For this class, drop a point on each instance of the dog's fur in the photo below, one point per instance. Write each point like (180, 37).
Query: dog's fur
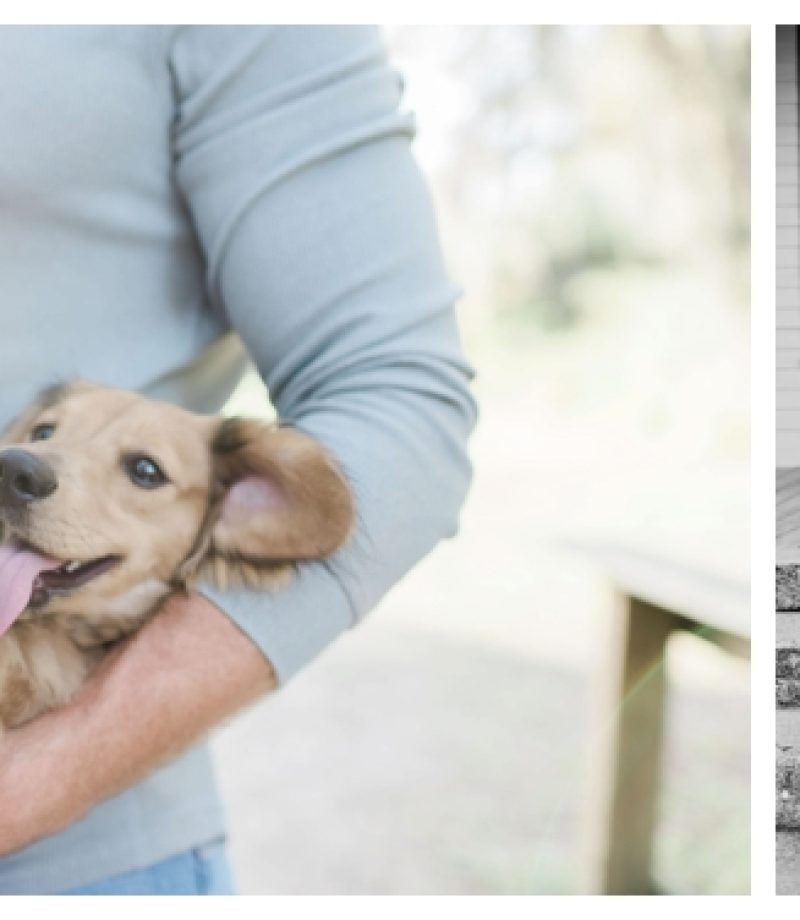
(242, 503)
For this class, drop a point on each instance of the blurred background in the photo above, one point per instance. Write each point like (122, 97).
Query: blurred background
(593, 193)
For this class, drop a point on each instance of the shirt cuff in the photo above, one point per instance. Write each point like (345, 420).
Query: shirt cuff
(293, 624)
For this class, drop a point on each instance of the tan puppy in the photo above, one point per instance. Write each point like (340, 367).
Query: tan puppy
(110, 502)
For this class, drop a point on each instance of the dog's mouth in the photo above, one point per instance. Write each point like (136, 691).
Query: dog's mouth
(70, 575)
(29, 578)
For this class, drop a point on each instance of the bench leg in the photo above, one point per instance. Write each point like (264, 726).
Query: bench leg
(625, 761)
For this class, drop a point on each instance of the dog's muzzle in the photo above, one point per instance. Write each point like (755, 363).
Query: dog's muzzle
(24, 478)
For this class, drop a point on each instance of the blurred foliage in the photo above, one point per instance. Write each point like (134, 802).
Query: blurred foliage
(559, 149)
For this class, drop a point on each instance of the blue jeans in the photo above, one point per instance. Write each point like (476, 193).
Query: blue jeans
(203, 870)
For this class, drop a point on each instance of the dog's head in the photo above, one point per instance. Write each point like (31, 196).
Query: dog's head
(110, 501)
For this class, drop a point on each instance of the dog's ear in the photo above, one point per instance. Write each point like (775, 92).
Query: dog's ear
(278, 496)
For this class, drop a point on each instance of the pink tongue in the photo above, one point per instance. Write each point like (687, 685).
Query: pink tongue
(19, 569)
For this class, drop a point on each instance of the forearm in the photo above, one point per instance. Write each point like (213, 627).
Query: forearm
(170, 684)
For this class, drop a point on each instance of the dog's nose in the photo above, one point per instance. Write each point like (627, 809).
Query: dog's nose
(24, 478)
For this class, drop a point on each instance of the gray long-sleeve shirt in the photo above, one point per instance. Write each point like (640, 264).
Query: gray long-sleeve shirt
(168, 194)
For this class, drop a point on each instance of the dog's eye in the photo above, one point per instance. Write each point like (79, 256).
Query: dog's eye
(43, 432)
(144, 472)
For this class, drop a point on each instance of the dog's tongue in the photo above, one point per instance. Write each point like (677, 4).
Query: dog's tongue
(19, 569)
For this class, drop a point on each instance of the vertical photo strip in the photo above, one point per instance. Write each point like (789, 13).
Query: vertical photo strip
(787, 685)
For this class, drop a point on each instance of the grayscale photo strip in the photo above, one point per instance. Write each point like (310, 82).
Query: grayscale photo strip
(788, 463)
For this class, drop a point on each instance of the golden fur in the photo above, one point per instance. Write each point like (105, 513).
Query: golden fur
(201, 524)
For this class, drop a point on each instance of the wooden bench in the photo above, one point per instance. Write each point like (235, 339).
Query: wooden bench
(653, 598)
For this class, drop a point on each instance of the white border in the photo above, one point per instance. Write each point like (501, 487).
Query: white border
(412, 12)
(763, 461)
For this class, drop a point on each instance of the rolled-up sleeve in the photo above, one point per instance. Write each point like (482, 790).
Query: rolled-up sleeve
(321, 245)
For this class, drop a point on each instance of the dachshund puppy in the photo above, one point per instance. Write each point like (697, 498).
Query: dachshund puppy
(111, 502)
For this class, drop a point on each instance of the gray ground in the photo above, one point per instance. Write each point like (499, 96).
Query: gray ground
(408, 764)
(787, 867)
(787, 876)
(442, 746)
(787, 629)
